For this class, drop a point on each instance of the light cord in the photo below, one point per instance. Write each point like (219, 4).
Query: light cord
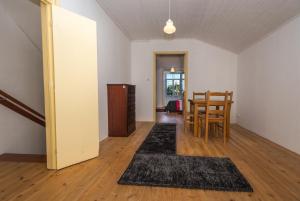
(169, 9)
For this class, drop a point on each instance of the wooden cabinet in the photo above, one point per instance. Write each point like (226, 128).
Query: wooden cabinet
(121, 109)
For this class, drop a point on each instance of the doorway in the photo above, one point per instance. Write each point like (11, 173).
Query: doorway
(170, 85)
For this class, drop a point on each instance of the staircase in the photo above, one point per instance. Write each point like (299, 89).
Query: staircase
(27, 112)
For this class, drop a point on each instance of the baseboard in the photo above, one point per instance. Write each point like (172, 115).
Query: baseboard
(160, 110)
(28, 158)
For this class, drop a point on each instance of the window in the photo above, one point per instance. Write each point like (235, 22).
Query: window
(174, 83)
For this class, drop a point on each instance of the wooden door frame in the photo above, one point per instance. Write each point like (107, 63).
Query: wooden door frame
(185, 69)
(50, 2)
(48, 73)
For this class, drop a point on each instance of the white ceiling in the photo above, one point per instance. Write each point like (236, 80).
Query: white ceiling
(230, 24)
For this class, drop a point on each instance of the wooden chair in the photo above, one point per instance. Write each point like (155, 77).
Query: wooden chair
(212, 114)
(199, 95)
(189, 116)
(230, 97)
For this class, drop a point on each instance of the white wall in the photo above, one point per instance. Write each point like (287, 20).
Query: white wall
(113, 52)
(210, 68)
(21, 76)
(164, 63)
(268, 87)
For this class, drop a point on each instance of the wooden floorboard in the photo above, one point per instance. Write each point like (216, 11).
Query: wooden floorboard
(273, 171)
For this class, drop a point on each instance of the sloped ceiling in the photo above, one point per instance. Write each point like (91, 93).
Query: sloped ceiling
(27, 18)
(231, 24)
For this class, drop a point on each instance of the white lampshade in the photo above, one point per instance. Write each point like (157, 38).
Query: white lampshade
(169, 27)
(172, 70)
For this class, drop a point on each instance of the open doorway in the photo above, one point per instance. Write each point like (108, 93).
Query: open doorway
(170, 85)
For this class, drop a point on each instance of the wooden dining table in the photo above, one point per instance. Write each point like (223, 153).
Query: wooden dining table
(198, 103)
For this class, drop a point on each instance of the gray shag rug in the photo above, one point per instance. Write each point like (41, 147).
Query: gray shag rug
(149, 167)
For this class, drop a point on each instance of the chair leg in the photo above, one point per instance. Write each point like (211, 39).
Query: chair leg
(197, 131)
(215, 129)
(200, 127)
(228, 128)
(225, 131)
(206, 131)
(219, 130)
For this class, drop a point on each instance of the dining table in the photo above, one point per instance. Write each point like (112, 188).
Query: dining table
(198, 103)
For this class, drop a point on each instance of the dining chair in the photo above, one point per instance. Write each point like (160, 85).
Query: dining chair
(189, 116)
(216, 112)
(230, 98)
(230, 95)
(198, 95)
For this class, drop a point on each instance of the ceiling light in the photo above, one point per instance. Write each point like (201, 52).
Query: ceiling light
(169, 27)
(172, 70)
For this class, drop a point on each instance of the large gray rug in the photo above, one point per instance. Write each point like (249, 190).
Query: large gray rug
(150, 168)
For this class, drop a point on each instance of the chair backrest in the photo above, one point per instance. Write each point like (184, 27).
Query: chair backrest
(230, 96)
(214, 100)
(199, 95)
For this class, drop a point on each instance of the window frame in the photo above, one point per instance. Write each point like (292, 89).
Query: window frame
(181, 82)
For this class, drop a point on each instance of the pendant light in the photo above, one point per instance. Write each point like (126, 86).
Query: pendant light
(169, 27)
(172, 70)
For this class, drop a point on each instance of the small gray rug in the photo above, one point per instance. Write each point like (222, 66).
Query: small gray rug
(156, 164)
(160, 140)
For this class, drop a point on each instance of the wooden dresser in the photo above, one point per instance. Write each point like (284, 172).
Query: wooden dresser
(121, 109)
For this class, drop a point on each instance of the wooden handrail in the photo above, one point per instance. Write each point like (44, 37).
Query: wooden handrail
(19, 107)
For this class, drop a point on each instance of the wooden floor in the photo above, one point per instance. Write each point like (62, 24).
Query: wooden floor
(273, 172)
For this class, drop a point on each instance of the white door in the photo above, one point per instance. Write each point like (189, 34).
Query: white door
(75, 88)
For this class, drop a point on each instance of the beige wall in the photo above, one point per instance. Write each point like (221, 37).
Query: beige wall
(21, 75)
(210, 68)
(268, 81)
